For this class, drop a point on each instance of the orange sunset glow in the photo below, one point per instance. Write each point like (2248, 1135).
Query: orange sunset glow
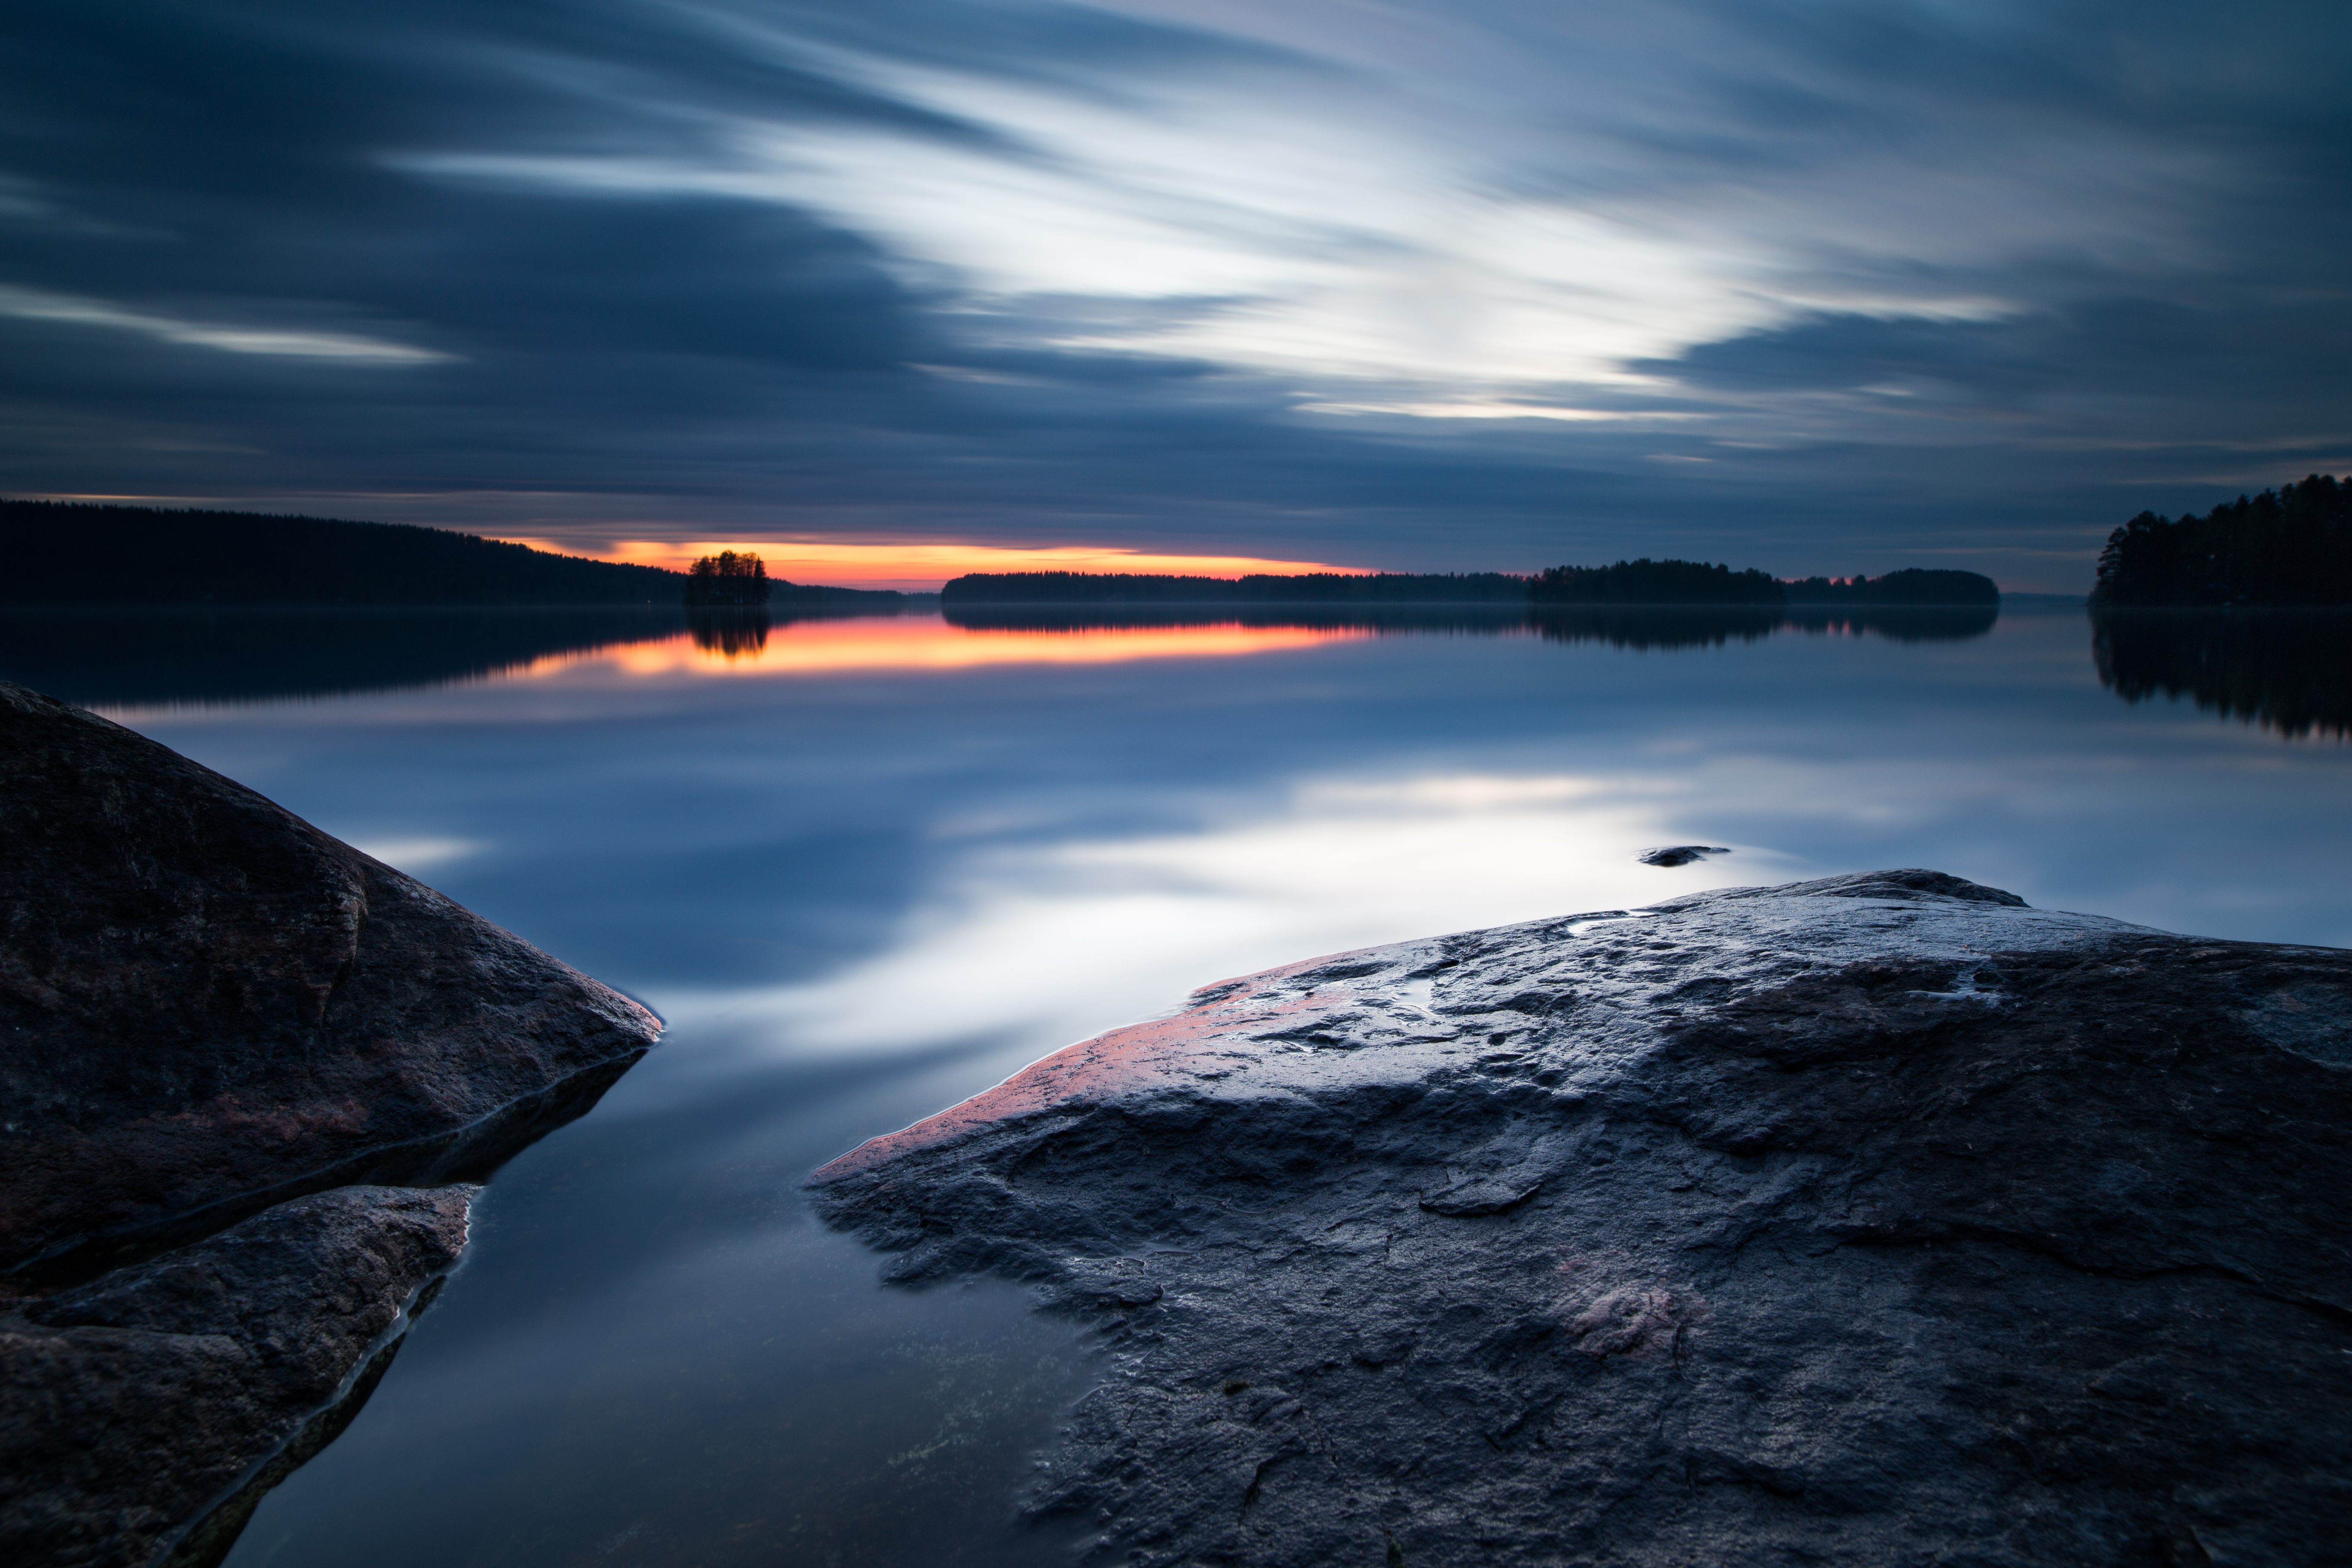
(921, 568)
(894, 643)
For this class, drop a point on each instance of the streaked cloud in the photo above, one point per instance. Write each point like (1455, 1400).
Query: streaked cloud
(1383, 282)
(35, 305)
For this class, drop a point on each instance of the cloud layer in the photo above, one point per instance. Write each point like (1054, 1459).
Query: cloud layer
(1819, 287)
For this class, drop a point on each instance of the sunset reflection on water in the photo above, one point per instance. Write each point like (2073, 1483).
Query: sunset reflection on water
(916, 643)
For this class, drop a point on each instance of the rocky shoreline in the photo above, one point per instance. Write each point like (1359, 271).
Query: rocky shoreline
(1879, 1219)
(250, 1075)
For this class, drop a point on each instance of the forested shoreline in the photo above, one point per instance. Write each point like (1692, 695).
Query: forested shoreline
(1644, 582)
(64, 555)
(2289, 548)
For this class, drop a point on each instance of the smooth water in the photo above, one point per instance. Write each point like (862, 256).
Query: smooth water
(865, 867)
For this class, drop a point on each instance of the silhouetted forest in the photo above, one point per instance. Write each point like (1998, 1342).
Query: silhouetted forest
(1643, 582)
(2288, 547)
(2287, 670)
(62, 554)
(1648, 582)
(1912, 586)
(728, 578)
(1315, 588)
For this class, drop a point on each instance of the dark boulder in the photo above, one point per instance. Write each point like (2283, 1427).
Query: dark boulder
(216, 1024)
(149, 1411)
(1879, 1219)
(207, 1006)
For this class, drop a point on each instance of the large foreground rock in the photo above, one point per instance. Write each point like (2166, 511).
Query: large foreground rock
(1873, 1220)
(218, 1026)
(207, 1006)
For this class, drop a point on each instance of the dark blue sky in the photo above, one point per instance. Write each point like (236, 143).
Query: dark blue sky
(1815, 287)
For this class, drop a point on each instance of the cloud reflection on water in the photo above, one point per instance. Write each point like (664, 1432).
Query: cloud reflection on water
(1058, 940)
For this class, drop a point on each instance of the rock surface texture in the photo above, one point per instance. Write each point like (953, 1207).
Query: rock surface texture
(174, 1393)
(217, 1025)
(206, 1004)
(1873, 1220)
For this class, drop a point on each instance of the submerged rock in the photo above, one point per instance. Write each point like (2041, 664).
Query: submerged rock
(217, 1025)
(1677, 855)
(1874, 1219)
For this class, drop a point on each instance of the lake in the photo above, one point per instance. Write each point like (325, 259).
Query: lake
(865, 868)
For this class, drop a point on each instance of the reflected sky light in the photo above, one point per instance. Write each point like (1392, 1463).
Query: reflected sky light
(870, 886)
(1051, 940)
(920, 643)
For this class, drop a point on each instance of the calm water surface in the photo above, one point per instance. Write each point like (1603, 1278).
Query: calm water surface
(865, 867)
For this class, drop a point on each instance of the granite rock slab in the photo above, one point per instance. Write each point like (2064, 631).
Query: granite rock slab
(208, 1005)
(1877, 1219)
(247, 1077)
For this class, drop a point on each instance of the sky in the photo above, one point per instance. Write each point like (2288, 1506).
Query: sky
(897, 288)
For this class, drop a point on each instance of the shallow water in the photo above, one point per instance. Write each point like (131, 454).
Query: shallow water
(865, 867)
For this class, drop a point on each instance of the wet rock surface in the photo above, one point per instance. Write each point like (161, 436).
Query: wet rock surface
(148, 1410)
(207, 1006)
(218, 1026)
(1879, 1219)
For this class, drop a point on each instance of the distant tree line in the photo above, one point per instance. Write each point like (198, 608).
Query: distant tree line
(1648, 582)
(2289, 547)
(68, 553)
(1314, 588)
(1643, 582)
(65, 553)
(729, 580)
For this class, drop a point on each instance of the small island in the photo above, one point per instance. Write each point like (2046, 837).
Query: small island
(729, 581)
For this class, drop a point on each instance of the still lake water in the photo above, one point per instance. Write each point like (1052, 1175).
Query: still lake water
(865, 867)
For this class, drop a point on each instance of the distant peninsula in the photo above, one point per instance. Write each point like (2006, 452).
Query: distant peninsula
(2290, 547)
(1627, 583)
(68, 554)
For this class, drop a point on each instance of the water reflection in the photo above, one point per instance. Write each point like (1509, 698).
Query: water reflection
(1955, 623)
(1633, 626)
(731, 633)
(2287, 670)
(144, 658)
(162, 657)
(869, 867)
(1644, 628)
(878, 645)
